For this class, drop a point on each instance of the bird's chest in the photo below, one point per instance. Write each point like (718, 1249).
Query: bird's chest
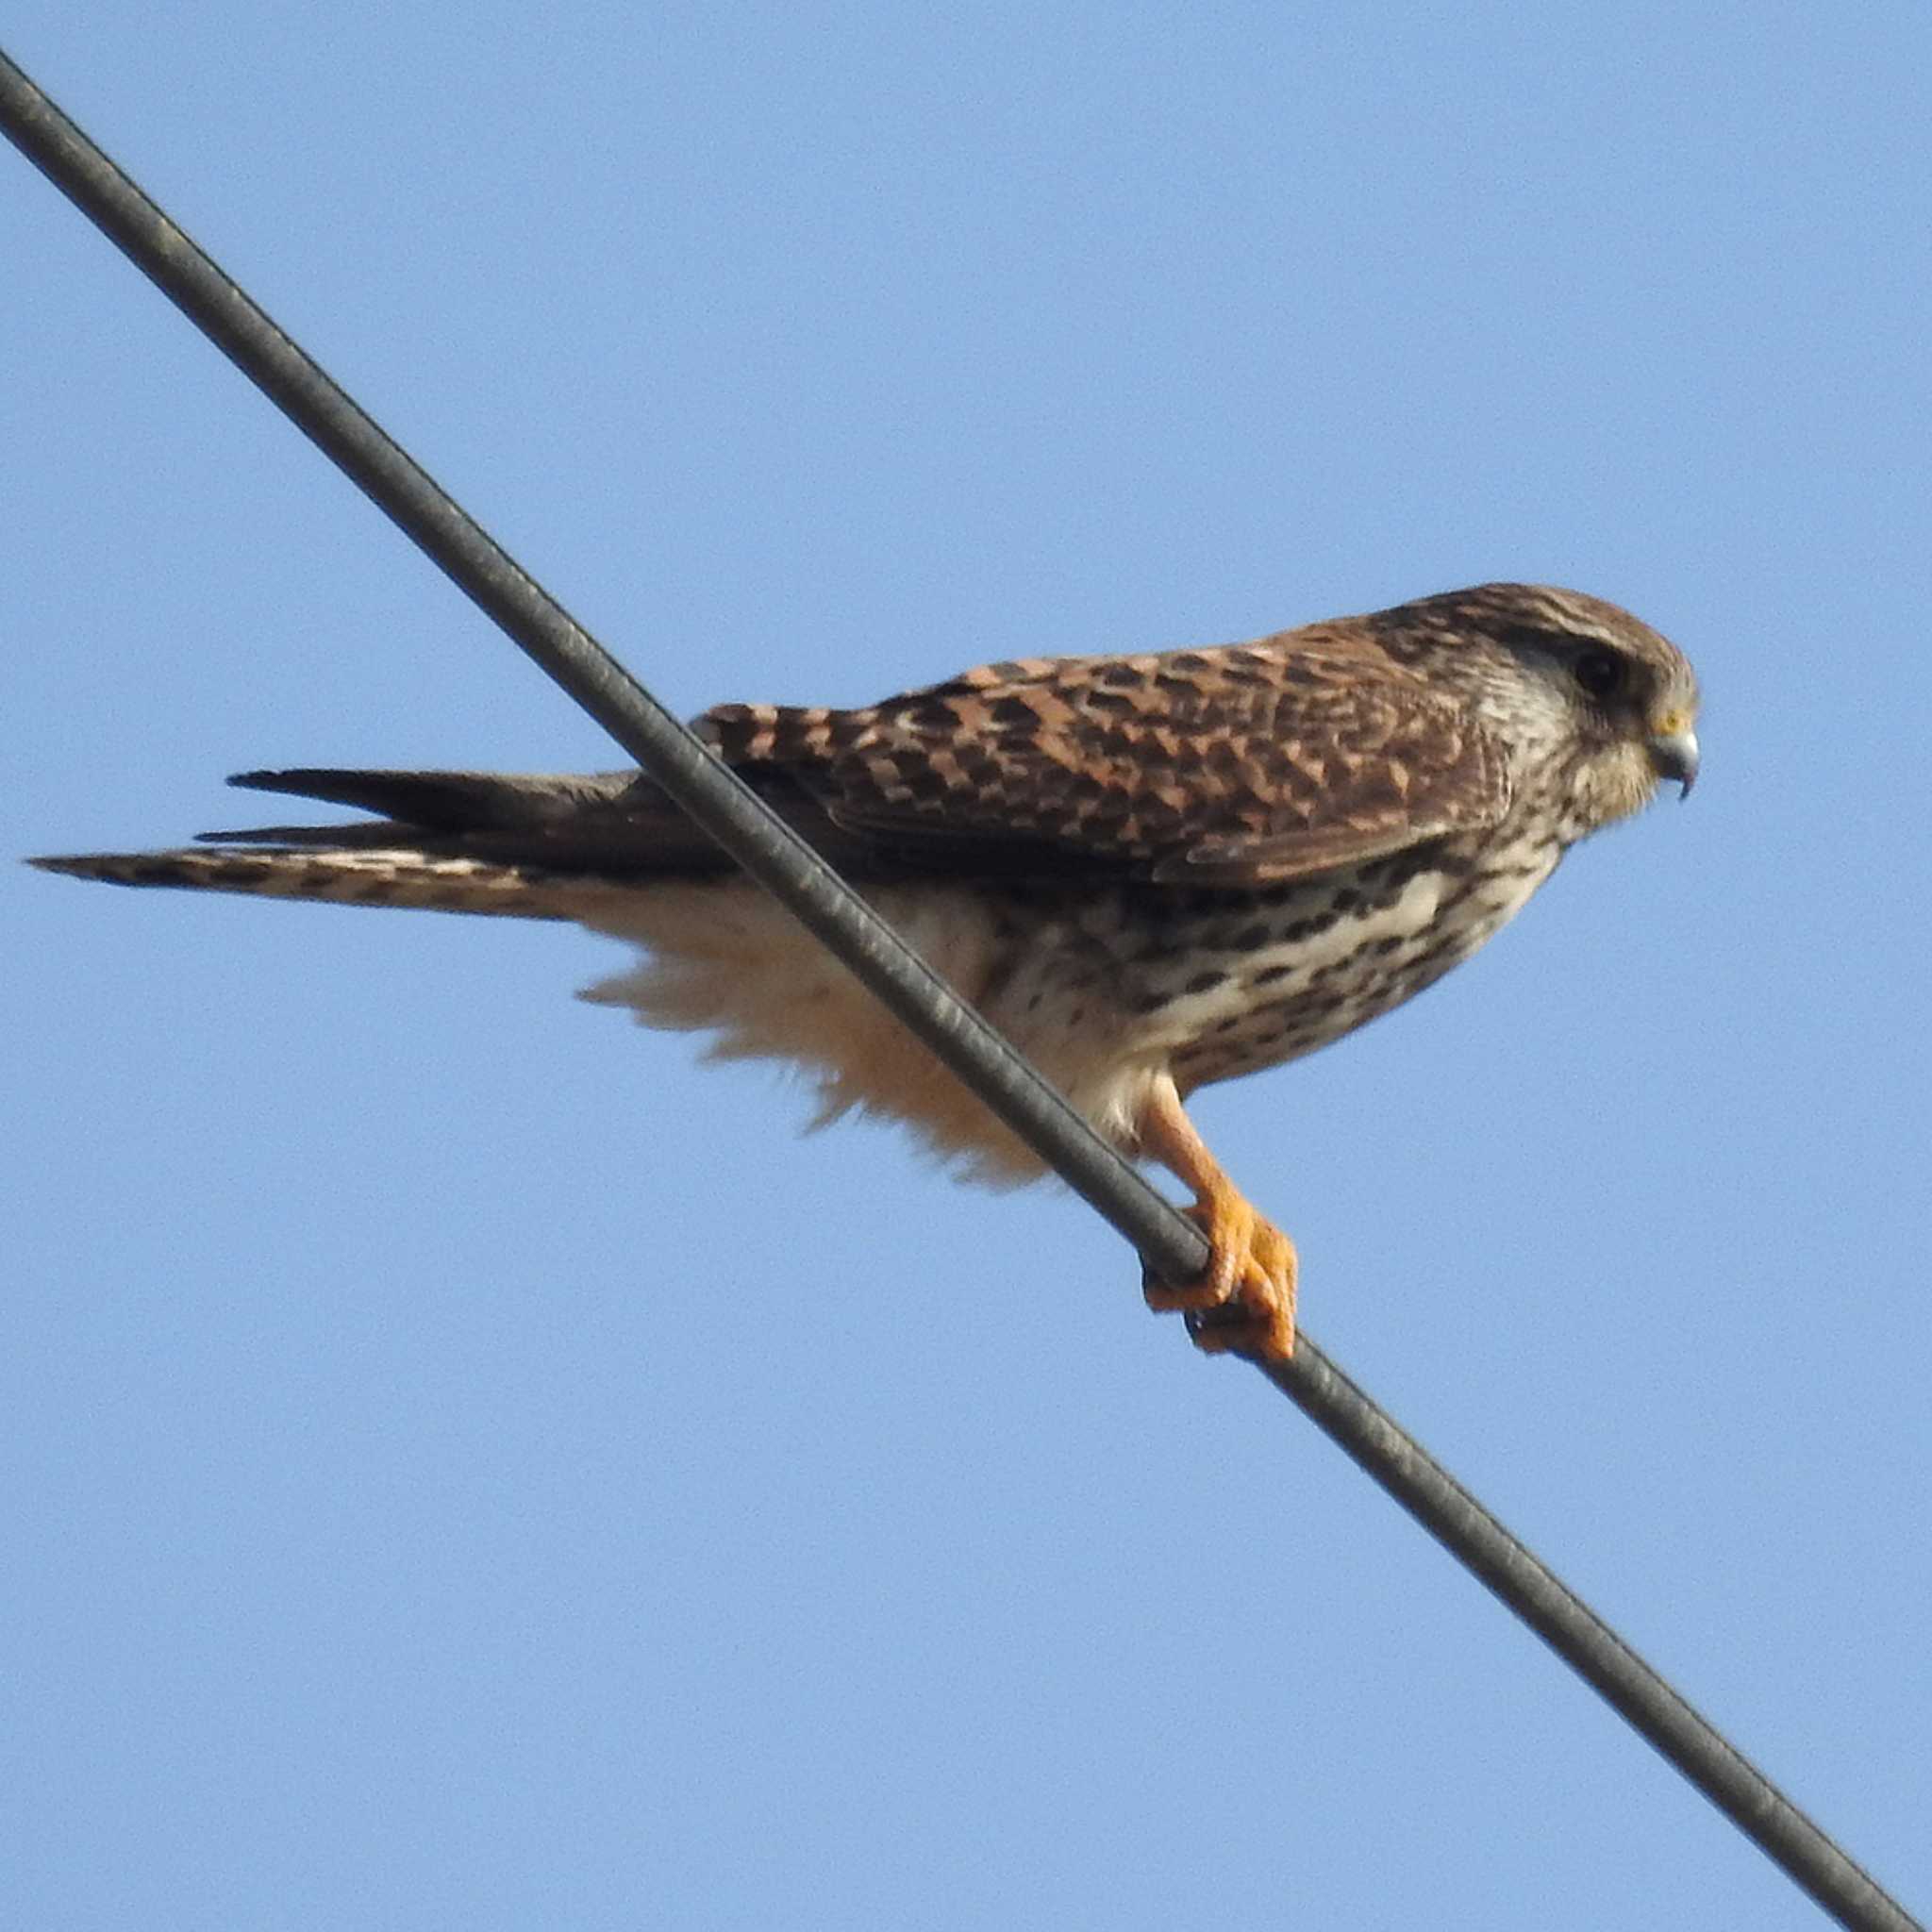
(1219, 984)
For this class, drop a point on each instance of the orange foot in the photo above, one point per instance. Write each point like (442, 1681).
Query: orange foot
(1243, 1301)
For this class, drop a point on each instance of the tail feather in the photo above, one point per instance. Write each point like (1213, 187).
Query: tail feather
(530, 846)
(380, 877)
(460, 841)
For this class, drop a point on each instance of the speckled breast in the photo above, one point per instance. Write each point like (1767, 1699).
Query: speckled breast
(1222, 983)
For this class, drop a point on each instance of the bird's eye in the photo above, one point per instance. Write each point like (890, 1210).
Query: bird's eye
(1600, 673)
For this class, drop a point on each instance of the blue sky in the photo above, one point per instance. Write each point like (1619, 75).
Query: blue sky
(467, 1466)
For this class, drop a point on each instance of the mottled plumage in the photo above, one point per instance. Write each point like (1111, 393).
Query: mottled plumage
(1149, 871)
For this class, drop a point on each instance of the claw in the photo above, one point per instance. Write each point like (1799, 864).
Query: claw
(1242, 1301)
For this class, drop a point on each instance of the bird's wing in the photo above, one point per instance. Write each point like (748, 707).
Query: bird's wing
(1231, 767)
(614, 821)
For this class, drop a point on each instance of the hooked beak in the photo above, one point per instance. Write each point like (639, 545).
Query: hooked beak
(1673, 755)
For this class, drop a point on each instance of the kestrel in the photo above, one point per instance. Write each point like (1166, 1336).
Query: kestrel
(1149, 871)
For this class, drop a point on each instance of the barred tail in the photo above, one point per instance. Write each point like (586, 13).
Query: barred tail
(523, 847)
(374, 878)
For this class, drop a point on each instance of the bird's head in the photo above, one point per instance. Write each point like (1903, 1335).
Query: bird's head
(1595, 706)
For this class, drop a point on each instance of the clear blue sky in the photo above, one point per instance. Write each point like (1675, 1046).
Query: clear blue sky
(466, 1466)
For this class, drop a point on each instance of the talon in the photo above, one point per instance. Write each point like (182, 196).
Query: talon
(1242, 1301)
(1215, 1284)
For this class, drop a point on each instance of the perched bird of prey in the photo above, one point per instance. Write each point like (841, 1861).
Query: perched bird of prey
(1149, 871)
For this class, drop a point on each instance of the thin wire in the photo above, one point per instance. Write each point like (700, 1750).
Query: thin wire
(1172, 1246)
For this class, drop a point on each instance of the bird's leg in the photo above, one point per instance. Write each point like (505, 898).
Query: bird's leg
(1243, 1300)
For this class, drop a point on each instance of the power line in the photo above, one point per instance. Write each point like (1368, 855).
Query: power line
(1172, 1246)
